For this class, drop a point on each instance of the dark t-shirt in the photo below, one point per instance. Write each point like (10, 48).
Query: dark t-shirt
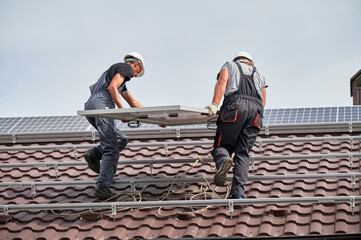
(122, 68)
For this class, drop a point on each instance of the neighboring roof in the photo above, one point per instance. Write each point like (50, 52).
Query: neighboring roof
(357, 78)
(284, 153)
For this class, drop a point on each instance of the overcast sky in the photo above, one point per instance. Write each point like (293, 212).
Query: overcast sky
(51, 51)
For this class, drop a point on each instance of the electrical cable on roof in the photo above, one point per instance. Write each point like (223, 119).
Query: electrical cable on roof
(206, 190)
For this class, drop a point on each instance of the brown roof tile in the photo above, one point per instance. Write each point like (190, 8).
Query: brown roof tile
(253, 220)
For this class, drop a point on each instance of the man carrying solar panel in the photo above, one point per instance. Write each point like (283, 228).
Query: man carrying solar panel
(239, 120)
(105, 94)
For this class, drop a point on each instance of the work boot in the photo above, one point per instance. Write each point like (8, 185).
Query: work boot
(221, 175)
(93, 156)
(236, 197)
(103, 193)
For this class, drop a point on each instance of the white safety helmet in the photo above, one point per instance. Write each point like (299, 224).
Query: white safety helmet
(138, 57)
(244, 55)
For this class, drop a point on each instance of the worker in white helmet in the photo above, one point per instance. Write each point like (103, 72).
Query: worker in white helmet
(105, 94)
(239, 120)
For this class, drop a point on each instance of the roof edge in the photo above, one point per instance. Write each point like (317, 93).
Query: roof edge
(355, 236)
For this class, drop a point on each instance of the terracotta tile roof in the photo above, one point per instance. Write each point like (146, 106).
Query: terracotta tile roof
(256, 220)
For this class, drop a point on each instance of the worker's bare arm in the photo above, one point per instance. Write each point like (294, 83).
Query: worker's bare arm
(116, 82)
(220, 87)
(130, 99)
(264, 96)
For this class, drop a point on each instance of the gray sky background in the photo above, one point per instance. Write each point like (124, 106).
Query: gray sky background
(51, 51)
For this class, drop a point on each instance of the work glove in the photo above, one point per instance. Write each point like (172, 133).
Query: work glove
(212, 109)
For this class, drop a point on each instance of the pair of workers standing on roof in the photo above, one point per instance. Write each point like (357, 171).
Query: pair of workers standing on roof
(238, 123)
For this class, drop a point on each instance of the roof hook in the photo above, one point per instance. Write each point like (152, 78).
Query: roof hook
(114, 211)
(230, 208)
(178, 133)
(13, 138)
(93, 136)
(350, 127)
(266, 129)
(351, 143)
(75, 150)
(350, 160)
(352, 204)
(151, 168)
(132, 185)
(260, 146)
(166, 149)
(353, 181)
(6, 210)
(33, 190)
(56, 169)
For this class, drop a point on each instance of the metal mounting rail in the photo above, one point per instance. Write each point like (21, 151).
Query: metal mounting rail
(153, 133)
(155, 180)
(87, 146)
(352, 200)
(178, 132)
(350, 156)
(181, 143)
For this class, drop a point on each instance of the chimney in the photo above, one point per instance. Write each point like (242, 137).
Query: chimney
(355, 85)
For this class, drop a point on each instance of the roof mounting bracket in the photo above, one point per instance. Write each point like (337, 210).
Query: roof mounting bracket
(13, 138)
(350, 127)
(166, 149)
(132, 185)
(114, 211)
(351, 143)
(33, 190)
(352, 204)
(56, 169)
(178, 133)
(260, 146)
(350, 160)
(6, 210)
(252, 163)
(266, 129)
(230, 208)
(75, 150)
(93, 136)
(151, 168)
(353, 181)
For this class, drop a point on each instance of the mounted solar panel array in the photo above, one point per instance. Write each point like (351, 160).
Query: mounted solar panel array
(43, 124)
(271, 117)
(312, 115)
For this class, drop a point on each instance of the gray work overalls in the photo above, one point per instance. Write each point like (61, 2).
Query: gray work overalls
(112, 140)
(238, 125)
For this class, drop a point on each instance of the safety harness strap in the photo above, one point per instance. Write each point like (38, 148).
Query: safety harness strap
(255, 99)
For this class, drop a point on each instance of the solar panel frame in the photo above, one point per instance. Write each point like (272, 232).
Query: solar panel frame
(173, 115)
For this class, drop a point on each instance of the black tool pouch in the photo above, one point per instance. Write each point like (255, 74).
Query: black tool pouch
(229, 113)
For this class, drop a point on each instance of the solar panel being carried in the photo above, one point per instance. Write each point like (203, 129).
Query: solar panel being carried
(163, 115)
